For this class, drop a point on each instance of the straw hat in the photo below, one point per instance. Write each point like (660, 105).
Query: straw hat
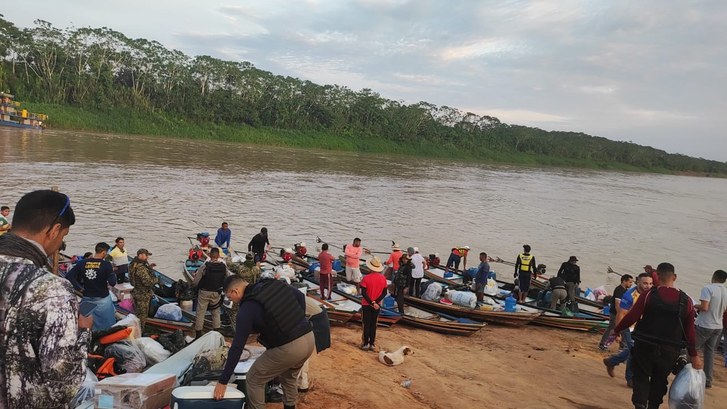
(395, 246)
(374, 264)
(301, 244)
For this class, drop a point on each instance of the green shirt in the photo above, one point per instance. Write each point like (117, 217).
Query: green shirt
(4, 223)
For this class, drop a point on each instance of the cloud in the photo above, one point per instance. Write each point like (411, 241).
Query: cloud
(488, 46)
(521, 116)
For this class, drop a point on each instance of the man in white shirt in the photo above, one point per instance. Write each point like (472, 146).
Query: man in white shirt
(713, 303)
(120, 259)
(417, 273)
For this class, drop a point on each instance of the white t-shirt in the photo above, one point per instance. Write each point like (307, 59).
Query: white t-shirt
(716, 294)
(418, 270)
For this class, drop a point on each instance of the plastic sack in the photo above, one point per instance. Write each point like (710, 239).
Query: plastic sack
(284, 271)
(433, 291)
(491, 287)
(131, 321)
(349, 289)
(87, 389)
(463, 298)
(687, 390)
(153, 351)
(128, 354)
(170, 312)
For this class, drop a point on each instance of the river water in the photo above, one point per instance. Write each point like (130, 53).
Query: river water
(156, 192)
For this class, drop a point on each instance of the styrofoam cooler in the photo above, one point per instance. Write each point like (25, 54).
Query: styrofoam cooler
(200, 397)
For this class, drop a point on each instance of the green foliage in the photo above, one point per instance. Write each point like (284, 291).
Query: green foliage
(99, 79)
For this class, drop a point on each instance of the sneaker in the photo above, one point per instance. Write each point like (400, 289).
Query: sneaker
(602, 347)
(372, 347)
(609, 367)
(364, 347)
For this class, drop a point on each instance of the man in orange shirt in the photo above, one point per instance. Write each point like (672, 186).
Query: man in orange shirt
(393, 262)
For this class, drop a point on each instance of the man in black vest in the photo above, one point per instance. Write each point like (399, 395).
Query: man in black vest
(209, 280)
(277, 311)
(664, 319)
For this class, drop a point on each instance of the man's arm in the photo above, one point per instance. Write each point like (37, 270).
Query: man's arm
(243, 327)
(633, 314)
(72, 276)
(517, 265)
(198, 274)
(111, 275)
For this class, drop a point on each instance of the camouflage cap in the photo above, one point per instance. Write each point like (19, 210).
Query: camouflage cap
(143, 251)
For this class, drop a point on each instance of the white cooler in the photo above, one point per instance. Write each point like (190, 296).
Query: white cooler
(200, 397)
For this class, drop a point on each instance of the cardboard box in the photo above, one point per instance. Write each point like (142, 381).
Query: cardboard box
(122, 291)
(134, 391)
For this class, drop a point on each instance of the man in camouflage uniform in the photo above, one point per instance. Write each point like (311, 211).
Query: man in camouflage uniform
(43, 340)
(142, 277)
(250, 272)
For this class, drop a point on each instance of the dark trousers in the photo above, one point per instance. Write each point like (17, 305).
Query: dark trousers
(369, 318)
(415, 287)
(121, 272)
(651, 364)
(400, 298)
(453, 261)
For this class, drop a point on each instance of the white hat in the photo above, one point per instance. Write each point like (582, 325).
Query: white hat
(416, 249)
(301, 244)
(466, 247)
(395, 246)
(374, 264)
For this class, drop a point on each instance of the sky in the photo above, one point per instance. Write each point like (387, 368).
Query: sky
(651, 72)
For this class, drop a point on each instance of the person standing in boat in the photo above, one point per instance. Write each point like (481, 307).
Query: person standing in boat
(524, 267)
(483, 271)
(277, 311)
(373, 290)
(570, 272)
(626, 282)
(712, 306)
(400, 279)
(352, 254)
(223, 236)
(325, 260)
(209, 280)
(392, 264)
(120, 259)
(4, 223)
(143, 278)
(417, 272)
(664, 319)
(93, 276)
(44, 342)
(458, 254)
(258, 245)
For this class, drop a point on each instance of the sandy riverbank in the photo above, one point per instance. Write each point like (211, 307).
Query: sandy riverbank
(531, 367)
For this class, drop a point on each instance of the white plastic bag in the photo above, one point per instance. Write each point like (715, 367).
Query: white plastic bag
(349, 289)
(434, 290)
(491, 287)
(131, 321)
(153, 351)
(170, 312)
(87, 389)
(687, 390)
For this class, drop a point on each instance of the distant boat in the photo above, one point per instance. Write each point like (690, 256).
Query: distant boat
(11, 114)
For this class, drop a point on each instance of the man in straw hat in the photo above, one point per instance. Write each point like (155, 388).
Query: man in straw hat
(392, 263)
(373, 290)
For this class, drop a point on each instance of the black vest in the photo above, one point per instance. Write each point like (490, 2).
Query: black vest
(284, 318)
(662, 322)
(214, 276)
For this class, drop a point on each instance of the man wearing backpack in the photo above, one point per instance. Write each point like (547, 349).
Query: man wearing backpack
(664, 319)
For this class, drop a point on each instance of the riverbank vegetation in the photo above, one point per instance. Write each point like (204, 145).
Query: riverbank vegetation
(98, 79)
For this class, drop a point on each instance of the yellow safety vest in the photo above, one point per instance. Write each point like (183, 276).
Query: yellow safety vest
(525, 261)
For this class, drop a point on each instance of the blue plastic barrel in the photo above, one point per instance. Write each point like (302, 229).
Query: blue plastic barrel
(312, 267)
(337, 265)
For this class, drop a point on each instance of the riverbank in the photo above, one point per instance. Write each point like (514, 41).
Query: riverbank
(525, 368)
(122, 121)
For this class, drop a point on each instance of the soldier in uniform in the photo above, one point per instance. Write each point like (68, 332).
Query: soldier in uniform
(142, 277)
(250, 272)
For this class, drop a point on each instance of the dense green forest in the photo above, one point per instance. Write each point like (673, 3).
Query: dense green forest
(103, 75)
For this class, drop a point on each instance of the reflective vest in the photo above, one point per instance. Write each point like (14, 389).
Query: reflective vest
(460, 251)
(525, 261)
(284, 318)
(214, 276)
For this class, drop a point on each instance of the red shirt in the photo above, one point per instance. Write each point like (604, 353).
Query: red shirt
(394, 259)
(326, 260)
(669, 295)
(375, 284)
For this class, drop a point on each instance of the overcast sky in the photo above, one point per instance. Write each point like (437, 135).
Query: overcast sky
(652, 72)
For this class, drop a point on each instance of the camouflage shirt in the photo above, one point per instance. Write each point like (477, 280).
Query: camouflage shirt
(249, 272)
(142, 276)
(44, 352)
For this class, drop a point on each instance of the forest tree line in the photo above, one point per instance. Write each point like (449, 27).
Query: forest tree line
(100, 68)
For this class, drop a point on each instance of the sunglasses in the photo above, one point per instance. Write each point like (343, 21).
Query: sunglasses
(61, 213)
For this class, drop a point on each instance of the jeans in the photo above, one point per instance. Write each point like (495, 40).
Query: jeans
(707, 342)
(651, 364)
(104, 315)
(415, 287)
(624, 354)
(453, 261)
(609, 329)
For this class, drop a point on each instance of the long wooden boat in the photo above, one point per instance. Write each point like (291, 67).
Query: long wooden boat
(513, 319)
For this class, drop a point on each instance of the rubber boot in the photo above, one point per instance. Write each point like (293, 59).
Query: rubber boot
(288, 407)
(197, 334)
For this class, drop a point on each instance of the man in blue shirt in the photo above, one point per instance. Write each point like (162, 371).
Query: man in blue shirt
(481, 278)
(222, 238)
(93, 276)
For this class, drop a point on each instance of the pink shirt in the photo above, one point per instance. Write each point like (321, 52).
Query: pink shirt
(353, 256)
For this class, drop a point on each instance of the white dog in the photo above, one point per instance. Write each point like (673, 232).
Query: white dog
(396, 357)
